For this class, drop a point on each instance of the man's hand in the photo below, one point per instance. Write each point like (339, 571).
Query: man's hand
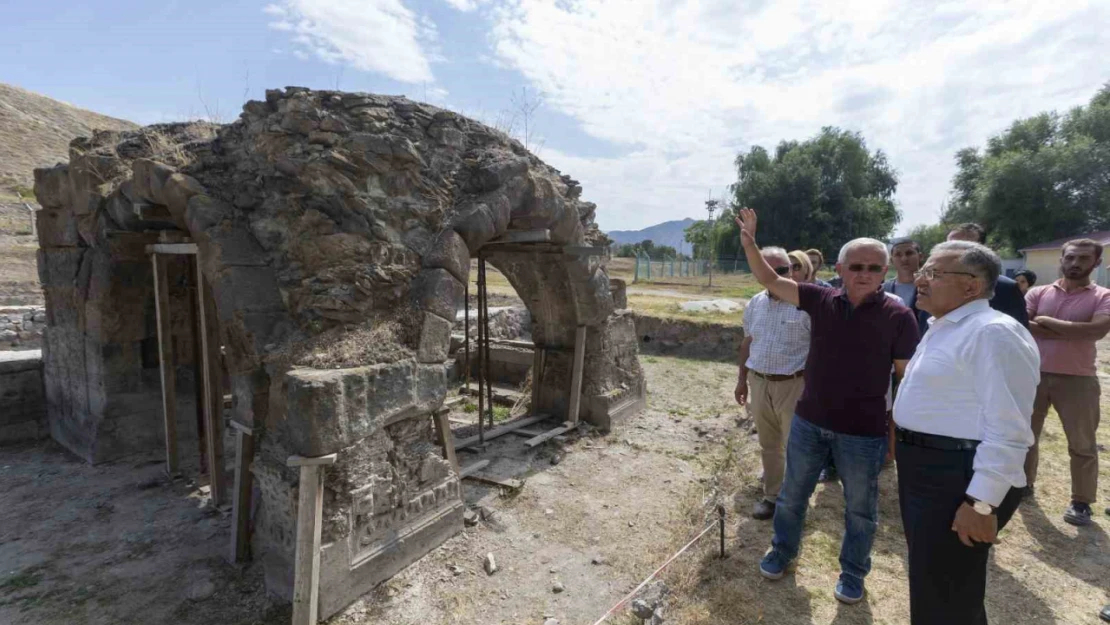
(747, 222)
(972, 526)
(741, 391)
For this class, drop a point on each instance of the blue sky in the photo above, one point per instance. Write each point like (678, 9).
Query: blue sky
(646, 102)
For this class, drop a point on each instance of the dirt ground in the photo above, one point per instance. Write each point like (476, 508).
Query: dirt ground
(117, 543)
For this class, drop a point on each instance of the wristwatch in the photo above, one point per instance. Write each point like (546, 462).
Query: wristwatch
(981, 507)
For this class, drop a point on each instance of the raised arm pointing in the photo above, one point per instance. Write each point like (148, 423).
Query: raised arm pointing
(782, 288)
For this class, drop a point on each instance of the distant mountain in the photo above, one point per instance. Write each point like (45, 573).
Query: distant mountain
(670, 233)
(35, 131)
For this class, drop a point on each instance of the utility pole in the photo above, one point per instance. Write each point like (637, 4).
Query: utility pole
(711, 205)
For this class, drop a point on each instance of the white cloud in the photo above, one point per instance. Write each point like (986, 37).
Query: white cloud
(465, 5)
(687, 83)
(380, 36)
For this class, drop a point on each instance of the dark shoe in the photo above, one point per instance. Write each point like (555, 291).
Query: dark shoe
(827, 475)
(1104, 614)
(849, 589)
(1078, 513)
(773, 565)
(763, 510)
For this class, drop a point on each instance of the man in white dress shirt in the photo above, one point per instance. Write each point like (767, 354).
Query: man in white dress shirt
(963, 428)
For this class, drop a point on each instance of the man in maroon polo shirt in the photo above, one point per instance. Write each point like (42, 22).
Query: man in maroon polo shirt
(858, 334)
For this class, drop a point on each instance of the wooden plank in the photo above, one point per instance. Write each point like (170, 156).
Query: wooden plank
(576, 375)
(172, 248)
(522, 236)
(514, 343)
(550, 434)
(502, 430)
(165, 360)
(470, 469)
(306, 568)
(241, 495)
(245, 429)
(539, 357)
(213, 396)
(198, 369)
(311, 461)
(446, 440)
(498, 481)
(532, 432)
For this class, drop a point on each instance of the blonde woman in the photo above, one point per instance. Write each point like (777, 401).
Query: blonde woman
(801, 270)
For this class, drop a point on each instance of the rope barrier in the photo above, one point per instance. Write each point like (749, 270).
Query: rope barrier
(719, 522)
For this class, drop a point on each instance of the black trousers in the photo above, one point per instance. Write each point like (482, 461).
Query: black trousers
(948, 579)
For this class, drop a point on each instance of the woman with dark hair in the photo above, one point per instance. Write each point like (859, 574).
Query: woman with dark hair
(1025, 279)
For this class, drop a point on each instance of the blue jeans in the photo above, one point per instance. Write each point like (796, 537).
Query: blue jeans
(858, 460)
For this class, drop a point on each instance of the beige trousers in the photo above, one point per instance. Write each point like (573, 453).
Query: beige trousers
(772, 406)
(1076, 399)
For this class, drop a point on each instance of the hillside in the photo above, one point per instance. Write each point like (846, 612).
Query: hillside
(35, 131)
(667, 233)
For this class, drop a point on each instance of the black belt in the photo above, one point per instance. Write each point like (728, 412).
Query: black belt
(775, 377)
(934, 441)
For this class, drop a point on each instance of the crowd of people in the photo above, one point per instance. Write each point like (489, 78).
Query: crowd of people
(948, 368)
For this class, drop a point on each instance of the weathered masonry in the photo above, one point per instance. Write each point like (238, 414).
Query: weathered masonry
(308, 261)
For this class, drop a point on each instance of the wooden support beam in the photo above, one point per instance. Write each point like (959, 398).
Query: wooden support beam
(165, 360)
(539, 357)
(471, 469)
(241, 500)
(576, 375)
(310, 512)
(213, 395)
(172, 248)
(446, 440)
(502, 430)
(548, 435)
(522, 236)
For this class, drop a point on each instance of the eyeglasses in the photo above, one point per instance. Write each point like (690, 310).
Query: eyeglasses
(858, 267)
(930, 273)
(782, 271)
(795, 267)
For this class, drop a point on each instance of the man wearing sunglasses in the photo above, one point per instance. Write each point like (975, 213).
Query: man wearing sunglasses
(772, 360)
(963, 429)
(1007, 296)
(858, 334)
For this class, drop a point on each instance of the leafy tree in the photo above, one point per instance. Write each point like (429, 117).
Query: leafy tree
(818, 193)
(1044, 177)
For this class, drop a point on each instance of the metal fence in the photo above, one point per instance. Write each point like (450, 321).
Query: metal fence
(648, 269)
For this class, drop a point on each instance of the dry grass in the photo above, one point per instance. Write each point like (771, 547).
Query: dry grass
(1045, 571)
(19, 278)
(35, 131)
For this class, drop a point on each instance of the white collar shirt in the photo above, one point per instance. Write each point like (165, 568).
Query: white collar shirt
(974, 376)
(780, 336)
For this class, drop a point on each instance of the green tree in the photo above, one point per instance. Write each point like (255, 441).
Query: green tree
(818, 193)
(1044, 177)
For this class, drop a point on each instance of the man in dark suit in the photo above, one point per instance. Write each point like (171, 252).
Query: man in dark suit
(1007, 296)
(905, 255)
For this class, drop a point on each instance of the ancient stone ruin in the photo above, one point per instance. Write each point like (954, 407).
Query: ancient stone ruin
(334, 233)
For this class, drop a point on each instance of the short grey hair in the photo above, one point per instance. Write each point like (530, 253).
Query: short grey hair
(977, 259)
(774, 250)
(864, 243)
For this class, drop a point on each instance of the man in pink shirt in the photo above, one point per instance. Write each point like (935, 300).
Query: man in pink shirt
(1067, 317)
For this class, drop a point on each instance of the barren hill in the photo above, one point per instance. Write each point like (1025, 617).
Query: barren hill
(35, 131)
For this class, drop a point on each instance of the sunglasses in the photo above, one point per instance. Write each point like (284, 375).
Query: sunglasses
(782, 271)
(858, 267)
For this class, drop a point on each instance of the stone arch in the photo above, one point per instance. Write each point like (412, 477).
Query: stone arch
(336, 230)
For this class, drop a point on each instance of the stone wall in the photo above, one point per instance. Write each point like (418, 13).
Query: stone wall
(21, 327)
(336, 231)
(688, 339)
(23, 413)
